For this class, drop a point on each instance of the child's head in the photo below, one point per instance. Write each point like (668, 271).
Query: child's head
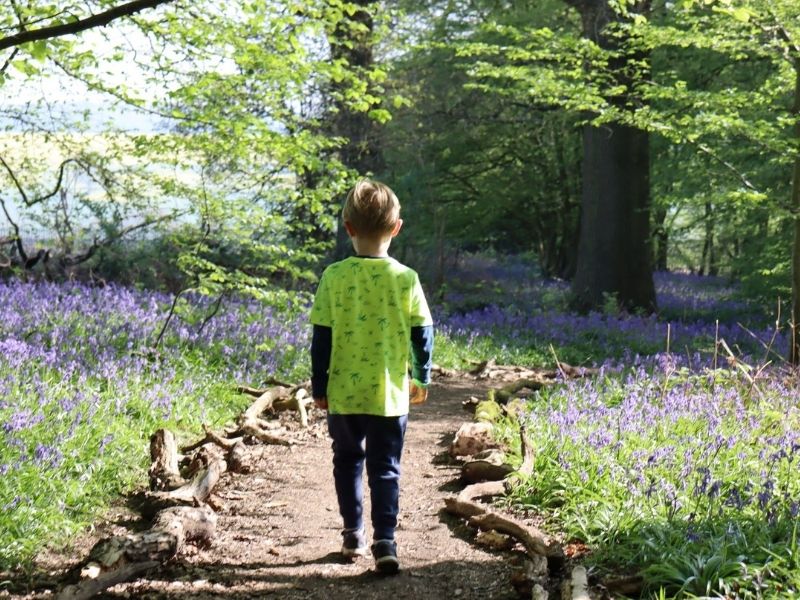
(372, 209)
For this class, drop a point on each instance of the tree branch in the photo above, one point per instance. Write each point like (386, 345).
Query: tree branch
(39, 199)
(72, 260)
(13, 55)
(16, 238)
(742, 177)
(98, 20)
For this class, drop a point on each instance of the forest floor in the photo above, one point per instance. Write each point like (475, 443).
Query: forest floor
(278, 533)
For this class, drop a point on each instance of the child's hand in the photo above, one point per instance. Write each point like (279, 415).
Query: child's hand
(321, 402)
(417, 395)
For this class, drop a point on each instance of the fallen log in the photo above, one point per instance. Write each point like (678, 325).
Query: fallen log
(211, 437)
(495, 540)
(263, 403)
(528, 572)
(464, 504)
(271, 381)
(488, 465)
(577, 586)
(193, 493)
(298, 402)
(535, 541)
(122, 558)
(249, 422)
(503, 394)
(238, 458)
(472, 438)
(163, 471)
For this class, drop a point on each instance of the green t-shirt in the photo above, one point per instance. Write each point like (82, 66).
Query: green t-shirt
(370, 304)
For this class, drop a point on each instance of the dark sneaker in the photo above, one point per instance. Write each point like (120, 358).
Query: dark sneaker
(354, 543)
(385, 553)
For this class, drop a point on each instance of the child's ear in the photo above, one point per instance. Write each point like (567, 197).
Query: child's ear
(350, 230)
(397, 227)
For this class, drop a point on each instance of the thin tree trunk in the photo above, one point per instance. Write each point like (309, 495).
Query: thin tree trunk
(794, 346)
(661, 237)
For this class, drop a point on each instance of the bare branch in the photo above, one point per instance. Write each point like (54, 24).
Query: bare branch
(28, 202)
(73, 260)
(16, 238)
(13, 55)
(742, 177)
(98, 20)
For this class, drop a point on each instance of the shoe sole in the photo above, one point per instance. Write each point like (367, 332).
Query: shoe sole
(387, 565)
(351, 553)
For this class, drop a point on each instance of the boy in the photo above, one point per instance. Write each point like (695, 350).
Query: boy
(369, 316)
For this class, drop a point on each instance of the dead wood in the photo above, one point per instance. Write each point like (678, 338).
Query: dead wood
(532, 378)
(163, 471)
(271, 381)
(577, 586)
(472, 438)
(211, 437)
(298, 402)
(482, 367)
(527, 573)
(238, 458)
(505, 393)
(192, 494)
(488, 465)
(470, 404)
(495, 540)
(250, 423)
(121, 558)
(535, 541)
(89, 588)
(264, 436)
(528, 454)
(263, 403)
(464, 504)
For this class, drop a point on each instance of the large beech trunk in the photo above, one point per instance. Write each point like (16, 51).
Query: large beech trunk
(614, 255)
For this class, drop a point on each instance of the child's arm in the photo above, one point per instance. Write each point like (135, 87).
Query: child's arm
(321, 341)
(421, 362)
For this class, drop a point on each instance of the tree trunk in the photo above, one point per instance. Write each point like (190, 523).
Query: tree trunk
(614, 254)
(661, 236)
(709, 263)
(794, 345)
(352, 41)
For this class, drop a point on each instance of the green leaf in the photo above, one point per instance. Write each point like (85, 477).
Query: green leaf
(39, 50)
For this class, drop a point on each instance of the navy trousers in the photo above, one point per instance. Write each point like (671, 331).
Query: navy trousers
(378, 441)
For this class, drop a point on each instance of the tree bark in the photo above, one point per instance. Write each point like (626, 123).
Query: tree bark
(661, 236)
(794, 339)
(352, 41)
(121, 558)
(614, 254)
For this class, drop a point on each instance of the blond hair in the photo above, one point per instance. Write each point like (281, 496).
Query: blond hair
(371, 208)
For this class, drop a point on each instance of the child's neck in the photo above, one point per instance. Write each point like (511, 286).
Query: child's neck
(378, 248)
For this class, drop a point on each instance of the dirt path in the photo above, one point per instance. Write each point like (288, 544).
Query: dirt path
(278, 535)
